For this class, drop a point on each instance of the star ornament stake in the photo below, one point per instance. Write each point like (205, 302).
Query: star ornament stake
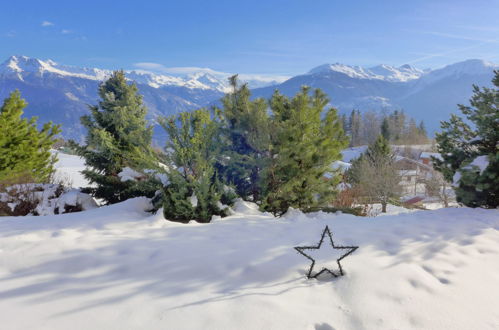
(308, 252)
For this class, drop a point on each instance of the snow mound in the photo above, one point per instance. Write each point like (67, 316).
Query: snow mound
(118, 267)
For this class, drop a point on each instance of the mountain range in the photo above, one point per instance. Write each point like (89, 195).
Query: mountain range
(62, 93)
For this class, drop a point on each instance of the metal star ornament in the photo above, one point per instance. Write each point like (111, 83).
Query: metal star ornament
(311, 251)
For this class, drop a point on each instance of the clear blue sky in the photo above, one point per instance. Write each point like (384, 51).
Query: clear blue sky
(274, 37)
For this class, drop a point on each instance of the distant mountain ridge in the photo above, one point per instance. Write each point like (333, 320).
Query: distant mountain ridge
(428, 95)
(379, 72)
(62, 93)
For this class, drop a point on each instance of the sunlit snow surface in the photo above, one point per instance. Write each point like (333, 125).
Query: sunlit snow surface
(118, 267)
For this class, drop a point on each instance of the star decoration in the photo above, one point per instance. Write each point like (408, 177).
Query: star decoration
(346, 249)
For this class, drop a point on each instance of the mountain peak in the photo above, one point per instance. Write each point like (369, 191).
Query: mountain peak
(379, 72)
(467, 67)
(20, 63)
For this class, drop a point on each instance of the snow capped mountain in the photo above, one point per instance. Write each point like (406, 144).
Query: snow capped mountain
(428, 95)
(60, 93)
(465, 68)
(192, 78)
(22, 65)
(380, 72)
(402, 73)
(19, 66)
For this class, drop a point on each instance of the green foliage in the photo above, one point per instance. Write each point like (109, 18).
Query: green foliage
(245, 139)
(118, 137)
(461, 143)
(385, 129)
(24, 150)
(193, 190)
(304, 146)
(279, 157)
(395, 128)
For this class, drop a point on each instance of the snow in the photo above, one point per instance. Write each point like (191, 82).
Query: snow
(428, 155)
(380, 72)
(68, 169)
(118, 267)
(482, 162)
(128, 174)
(352, 153)
(342, 166)
(193, 78)
(472, 66)
(456, 178)
(193, 200)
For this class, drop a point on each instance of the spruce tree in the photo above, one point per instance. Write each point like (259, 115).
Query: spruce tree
(470, 152)
(245, 129)
(24, 150)
(385, 129)
(304, 146)
(194, 190)
(118, 137)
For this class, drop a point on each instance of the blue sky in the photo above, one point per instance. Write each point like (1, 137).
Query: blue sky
(266, 37)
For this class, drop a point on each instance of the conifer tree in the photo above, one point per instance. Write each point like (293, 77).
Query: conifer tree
(194, 190)
(470, 153)
(355, 127)
(24, 150)
(385, 129)
(245, 126)
(422, 131)
(118, 137)
(304, 146)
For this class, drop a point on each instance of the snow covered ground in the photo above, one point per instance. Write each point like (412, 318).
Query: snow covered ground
(118, 267)
(68, 168)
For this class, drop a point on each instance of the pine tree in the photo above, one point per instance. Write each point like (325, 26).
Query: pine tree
(244, 139)
(385, 129)
(193, 191)
(470, 154)
(118, 137)
(304, 146)
(24, 150)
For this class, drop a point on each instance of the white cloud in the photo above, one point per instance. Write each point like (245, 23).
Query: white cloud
(47, 23)
(255, 79)
(157, 67)
(64, 31)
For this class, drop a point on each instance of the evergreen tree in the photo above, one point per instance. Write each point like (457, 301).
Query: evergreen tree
(24, 150)
(355, 127)
(470, 154)
(385, 129)
(193, 191)
(345, 125)
(422, 131)
(118, 137)
(304, 146)
(245, 134)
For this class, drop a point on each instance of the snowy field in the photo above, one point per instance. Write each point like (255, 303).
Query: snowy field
(68, 168)
(118, 267)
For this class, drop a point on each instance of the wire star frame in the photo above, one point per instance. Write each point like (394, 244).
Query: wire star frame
(300, 249)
